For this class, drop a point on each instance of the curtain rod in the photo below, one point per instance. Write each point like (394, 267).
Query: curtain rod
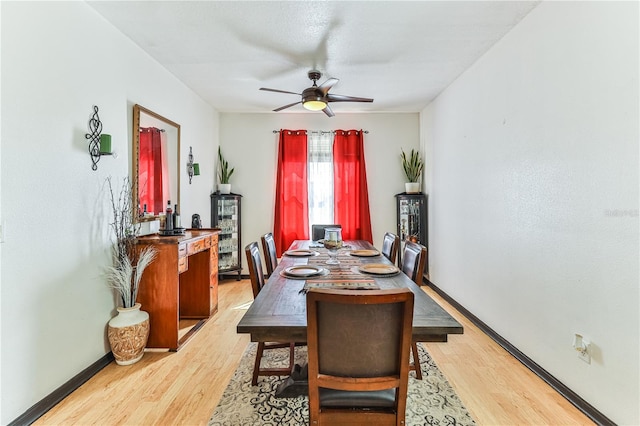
(322, 131)
(162, 130)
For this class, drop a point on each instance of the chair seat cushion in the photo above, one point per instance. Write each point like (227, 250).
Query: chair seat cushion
(357, 399)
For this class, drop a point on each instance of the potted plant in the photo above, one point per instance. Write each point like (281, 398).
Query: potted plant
(224, 174)
(129, 330)
(413, 166)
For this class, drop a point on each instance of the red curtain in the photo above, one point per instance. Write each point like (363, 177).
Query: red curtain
(291, 218)
(150, 186)
(351, 196)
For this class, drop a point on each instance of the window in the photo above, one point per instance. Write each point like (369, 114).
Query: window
(320, 177)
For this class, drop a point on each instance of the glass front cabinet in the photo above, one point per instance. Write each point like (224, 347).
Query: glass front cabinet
(225, 215)
(412, 222)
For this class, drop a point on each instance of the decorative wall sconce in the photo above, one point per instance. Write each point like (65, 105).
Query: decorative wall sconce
(99, 144)
(193, 169)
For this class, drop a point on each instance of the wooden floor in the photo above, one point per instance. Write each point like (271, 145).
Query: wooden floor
(183, 388)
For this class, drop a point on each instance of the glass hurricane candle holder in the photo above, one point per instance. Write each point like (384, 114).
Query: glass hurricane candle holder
(333, 242)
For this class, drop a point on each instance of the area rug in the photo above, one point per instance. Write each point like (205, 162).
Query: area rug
(430, 401)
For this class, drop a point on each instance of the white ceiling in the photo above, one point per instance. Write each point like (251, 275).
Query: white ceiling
(401, 54)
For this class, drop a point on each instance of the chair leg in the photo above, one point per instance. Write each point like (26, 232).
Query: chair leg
(416, 361)
(292, 354)
(256, 366)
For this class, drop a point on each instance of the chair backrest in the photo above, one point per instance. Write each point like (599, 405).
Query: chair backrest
(255, 267)
(414, 256)
(269, 252)
(358, 345)
(317, 231)
(390, 246)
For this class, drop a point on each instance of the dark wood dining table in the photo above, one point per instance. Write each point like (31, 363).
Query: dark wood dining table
(279, 314)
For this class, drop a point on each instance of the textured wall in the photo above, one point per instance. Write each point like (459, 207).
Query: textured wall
(534, 194)
(250, 145)
(58, 60)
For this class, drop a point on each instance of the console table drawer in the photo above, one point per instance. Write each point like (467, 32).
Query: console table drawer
(182, 250)
(183, 264)
(195, 246)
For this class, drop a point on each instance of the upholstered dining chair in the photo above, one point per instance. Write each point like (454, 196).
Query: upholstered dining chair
(414, 257)
(390, 246)
(358, 344)
(269, 252)
(257, 283)
(317, 231)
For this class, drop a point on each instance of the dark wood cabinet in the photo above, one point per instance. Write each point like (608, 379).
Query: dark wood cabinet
(226, 216)
(412, 222)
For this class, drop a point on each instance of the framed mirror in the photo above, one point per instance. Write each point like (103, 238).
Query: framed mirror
(156, 162)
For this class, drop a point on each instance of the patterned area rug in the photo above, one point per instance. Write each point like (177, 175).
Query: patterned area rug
(430, 401)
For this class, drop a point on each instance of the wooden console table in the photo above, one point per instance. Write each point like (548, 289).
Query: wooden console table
(181, 283)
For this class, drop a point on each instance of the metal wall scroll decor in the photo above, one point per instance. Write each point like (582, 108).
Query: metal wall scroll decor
(99, 143)
(193, 169)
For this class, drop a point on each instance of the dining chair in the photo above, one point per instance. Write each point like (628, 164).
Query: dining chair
(317, 231)
(257, 283)
(269, 252)
(358, 344)
(414, 257)
(390, 246)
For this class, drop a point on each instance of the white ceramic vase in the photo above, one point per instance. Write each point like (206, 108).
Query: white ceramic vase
(412, 187)
(128, 333)
(224, 188)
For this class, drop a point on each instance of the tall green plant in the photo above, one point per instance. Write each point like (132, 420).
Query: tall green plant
(412, 165)
(223, 168)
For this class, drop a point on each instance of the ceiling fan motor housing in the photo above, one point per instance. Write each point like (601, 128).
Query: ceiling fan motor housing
(314, 75)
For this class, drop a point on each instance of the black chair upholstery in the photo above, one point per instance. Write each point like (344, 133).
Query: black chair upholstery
(317, 231)
(390, 246)
(358, 346)
(269, 252)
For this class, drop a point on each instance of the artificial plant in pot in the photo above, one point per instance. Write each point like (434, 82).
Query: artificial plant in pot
(224, 174)
(129, 330)
(412, 165)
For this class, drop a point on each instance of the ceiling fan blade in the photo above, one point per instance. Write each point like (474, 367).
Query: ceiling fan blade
(324, 87)
(280, 91)
(287, 106)
(343, 98)
(327, 110)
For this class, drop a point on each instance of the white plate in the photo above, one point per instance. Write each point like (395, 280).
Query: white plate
(303, 271)
(301, 253)
(364, 253)
(378, 269)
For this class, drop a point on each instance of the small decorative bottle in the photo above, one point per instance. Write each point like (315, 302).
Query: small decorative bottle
(176, 218)
(169, 220)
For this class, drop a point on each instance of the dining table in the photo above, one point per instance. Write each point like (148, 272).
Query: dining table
(278, 313)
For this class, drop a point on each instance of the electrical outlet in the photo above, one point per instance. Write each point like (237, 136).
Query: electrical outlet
(585, 354)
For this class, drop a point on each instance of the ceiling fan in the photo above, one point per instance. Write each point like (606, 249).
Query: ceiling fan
(316, 98)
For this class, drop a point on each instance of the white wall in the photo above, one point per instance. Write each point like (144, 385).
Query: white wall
(534, 200)
(58, 60)
(249, 144)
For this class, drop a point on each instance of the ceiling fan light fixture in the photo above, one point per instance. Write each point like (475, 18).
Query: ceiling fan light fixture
(313, 99)
(314, 105)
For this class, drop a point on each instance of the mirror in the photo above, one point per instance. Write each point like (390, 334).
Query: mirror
(156, 162)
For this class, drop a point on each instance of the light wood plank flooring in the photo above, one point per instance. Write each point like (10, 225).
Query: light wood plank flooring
(183, 388)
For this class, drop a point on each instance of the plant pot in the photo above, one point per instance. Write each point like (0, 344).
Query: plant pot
(128, 333)
(412, 187)
(224, 188)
